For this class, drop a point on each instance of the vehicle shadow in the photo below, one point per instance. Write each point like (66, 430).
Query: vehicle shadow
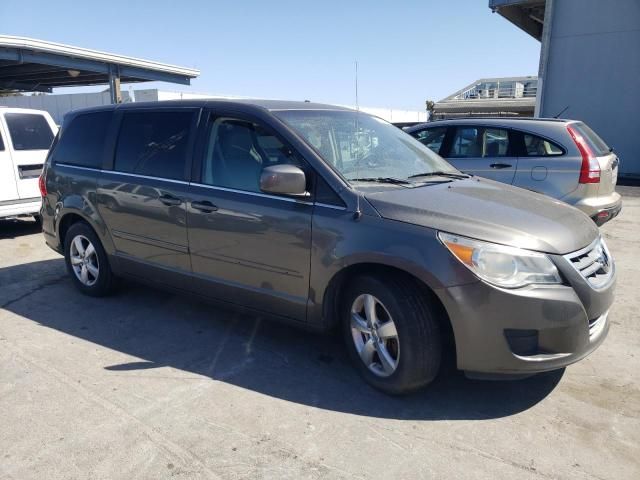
(17, 228)
(161, 329)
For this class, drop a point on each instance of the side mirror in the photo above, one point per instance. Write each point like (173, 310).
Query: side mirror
(284, 180)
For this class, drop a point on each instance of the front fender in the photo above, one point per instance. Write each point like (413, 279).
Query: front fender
(341, 242)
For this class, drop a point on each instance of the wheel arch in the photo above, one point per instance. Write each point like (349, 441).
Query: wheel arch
(335, 289)
(70, 213)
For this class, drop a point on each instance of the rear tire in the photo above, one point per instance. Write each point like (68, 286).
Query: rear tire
(87, 262)
(400, 350)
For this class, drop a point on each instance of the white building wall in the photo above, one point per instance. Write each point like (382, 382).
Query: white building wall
(60, 104)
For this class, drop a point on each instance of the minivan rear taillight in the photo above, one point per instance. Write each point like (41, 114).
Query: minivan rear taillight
(590, 168)
(42, 184)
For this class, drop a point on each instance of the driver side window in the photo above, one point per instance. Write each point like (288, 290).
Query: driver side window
(238, 150)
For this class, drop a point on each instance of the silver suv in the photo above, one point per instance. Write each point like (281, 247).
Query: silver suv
(564, 159)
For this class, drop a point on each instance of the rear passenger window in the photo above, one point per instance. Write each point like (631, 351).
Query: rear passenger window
(480, 142)
(495, 142)
(82, 141)
(154, 144)
(29, 131)
(432, 137)
(1, 143)
(539, 147)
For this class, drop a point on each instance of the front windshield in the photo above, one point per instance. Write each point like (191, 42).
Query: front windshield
(362, 147)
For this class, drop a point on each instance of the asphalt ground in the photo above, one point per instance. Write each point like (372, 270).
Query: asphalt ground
(152, 385)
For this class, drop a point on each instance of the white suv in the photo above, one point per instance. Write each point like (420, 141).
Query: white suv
(25, 138)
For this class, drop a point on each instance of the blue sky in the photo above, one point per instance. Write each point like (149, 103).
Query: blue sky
(408, 51)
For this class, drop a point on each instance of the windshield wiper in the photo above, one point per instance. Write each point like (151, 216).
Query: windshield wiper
(395, 181)
(440, 174)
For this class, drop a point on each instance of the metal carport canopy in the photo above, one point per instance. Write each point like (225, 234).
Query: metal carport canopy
(33, 65)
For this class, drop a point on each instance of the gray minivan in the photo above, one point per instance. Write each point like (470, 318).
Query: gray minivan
(327, 217)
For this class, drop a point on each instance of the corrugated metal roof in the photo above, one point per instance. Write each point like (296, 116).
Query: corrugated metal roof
(7, 41)
(30, 64)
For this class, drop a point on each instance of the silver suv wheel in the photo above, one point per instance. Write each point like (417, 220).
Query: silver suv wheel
(84, 260)
(374, 335)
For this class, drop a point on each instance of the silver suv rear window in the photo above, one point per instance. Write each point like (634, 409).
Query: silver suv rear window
(598, 145)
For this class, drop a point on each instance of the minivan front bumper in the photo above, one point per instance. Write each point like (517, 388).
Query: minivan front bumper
(524, 331)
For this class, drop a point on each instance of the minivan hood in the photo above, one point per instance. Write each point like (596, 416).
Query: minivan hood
(490, 211)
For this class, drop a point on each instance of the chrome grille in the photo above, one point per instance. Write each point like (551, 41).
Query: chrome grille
(594, 263)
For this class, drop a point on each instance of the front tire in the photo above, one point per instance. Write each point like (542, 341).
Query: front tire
(391, 333)
(87, 262)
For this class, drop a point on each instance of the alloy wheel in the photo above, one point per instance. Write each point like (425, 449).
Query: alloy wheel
(84, 260)
(375, 335)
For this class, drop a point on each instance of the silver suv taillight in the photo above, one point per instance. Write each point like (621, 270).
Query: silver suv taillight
(590, 168)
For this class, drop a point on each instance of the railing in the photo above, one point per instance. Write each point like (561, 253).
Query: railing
(481, 92)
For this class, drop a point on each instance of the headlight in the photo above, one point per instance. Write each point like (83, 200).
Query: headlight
(507, 267)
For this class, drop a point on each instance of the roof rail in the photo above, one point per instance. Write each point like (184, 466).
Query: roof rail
(499, 118)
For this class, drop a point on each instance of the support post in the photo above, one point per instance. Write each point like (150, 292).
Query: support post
(544, 58)
(114, 84)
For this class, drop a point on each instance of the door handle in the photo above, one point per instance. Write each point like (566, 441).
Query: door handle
(170, 200)
(204, 206)
(500, 165)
